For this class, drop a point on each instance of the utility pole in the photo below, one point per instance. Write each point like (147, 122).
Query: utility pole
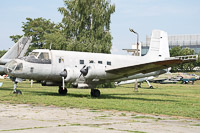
(135, 52)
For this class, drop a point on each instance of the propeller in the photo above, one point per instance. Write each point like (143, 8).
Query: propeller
(84, 71)
(63, 74)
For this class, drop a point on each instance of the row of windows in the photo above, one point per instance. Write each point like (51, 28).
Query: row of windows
(99, 62)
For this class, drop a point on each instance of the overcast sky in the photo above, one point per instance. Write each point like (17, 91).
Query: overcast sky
(172, 16)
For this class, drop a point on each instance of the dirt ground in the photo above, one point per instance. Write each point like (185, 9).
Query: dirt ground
(27, 118)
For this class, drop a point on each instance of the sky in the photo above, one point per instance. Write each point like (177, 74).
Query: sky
(172, 16)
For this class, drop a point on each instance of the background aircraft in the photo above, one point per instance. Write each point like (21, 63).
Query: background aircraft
(56, 67)
(172, 78)
(18, 50)
(141, 80)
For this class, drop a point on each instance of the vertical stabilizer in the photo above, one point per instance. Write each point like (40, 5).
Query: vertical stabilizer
(159, 47)
(18, 50)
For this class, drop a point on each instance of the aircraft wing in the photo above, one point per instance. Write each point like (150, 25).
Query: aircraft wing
(151, 66)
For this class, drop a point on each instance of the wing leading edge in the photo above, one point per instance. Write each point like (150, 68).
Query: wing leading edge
(152, 66)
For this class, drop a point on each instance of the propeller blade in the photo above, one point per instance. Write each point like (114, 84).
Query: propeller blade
(64, 73)
(84, 71)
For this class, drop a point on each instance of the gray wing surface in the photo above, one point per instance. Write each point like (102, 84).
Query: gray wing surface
(148, 67)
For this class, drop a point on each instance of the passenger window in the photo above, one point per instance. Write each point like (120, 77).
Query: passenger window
(91, 61)
(108, 63)
(44, 56)
(81, 61)
(100, 62)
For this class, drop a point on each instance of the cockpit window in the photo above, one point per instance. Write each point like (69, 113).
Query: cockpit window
(44, 56)
(19, 67)
(34, 54)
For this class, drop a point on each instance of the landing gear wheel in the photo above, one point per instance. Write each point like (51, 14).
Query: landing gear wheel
(139, 86)
(62, 92)
(95, 93)
(17, 92)
(151, 87)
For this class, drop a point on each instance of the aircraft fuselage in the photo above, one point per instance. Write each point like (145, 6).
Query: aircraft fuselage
(46, 65)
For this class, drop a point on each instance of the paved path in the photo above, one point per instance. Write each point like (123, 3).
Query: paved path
(26, 118)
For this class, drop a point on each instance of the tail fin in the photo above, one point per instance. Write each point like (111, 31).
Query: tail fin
(159, 47)
(19, 49)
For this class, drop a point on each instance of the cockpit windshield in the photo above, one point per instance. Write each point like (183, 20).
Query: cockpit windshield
(39, 57)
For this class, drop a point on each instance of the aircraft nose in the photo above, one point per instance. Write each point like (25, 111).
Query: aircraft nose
(10, 67)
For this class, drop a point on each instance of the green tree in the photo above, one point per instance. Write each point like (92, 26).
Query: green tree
(86, 24)
(15, 38)
(55, 40)
(2, 52)
(177, 51)
(85, 27)
(37, 28)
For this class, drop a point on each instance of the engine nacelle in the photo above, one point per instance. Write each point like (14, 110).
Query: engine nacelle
(72, 74)
(96, 72)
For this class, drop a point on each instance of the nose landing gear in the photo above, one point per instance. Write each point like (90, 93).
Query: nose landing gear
(15, 81)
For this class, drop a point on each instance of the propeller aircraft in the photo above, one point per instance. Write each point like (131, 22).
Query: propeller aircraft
(57, 67)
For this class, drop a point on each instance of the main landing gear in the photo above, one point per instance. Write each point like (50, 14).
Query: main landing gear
(95, 93)
(150, 86)
(62, 91)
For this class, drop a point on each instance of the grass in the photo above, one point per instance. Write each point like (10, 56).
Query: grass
(173, 100)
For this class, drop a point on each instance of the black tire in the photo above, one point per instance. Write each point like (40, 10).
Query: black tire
(151, 87)
(62, 92)
(95, 93)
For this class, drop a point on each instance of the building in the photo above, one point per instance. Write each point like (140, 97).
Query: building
(190, 41)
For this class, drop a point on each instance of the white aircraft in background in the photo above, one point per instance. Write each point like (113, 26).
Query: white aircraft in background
(57, 67)
(18, 50)
(140, 80)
